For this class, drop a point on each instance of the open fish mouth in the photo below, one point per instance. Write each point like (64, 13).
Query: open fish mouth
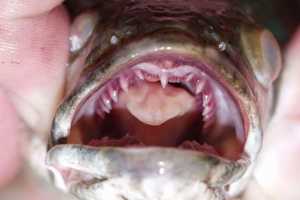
(161, 103)
(163, 106)
(162, 100)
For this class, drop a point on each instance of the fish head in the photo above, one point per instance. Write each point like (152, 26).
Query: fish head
(170, 101)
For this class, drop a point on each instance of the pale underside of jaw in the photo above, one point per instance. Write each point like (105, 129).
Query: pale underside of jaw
(152, 173)
(162, 103)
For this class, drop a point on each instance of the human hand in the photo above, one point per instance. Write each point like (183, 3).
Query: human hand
(33, 57)
(277, 175)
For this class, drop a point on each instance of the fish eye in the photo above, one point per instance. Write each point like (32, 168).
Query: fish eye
(263, 53)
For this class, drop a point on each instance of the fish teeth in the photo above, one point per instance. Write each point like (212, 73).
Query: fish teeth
(208, 116)
(206, 99)
(124, 83)
(207, 110)
(107, 104)
(200, 86)
(139, 74)
(105, 109)
(113, 94)
(164, 80)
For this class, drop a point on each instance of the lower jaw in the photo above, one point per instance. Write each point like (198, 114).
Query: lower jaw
(141, 167)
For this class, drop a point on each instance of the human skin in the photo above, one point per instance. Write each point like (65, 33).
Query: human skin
(33, 58)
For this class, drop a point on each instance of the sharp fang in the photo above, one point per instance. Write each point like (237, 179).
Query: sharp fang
(208, 116)
(114, 95)
(200, 86)
(207, 110)
(163, 80)
(124, 84)
(139, 74)
(105, 109)
(107, 103)
(206, 99)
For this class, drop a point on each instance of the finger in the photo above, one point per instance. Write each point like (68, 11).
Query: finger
(28, 186)
(11, 138)
(33, 57)
(24, 8)
(290, 90)
(278, 171)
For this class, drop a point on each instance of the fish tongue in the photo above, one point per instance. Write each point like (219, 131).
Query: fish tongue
(156, 115)
(154, 105)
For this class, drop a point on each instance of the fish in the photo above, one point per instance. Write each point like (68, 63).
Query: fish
(165, 99)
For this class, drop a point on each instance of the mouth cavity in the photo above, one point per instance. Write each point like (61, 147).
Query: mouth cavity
(162, 101)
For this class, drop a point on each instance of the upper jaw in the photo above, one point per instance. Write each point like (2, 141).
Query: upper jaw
(119, 60)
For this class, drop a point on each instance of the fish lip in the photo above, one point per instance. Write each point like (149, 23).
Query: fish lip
(211, 170)
(65, 114)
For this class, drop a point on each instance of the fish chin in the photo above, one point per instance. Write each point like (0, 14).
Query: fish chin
(170, 107)
(145, 173)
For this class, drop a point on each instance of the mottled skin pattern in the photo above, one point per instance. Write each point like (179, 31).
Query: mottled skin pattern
(38, 19)
(281, 18)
